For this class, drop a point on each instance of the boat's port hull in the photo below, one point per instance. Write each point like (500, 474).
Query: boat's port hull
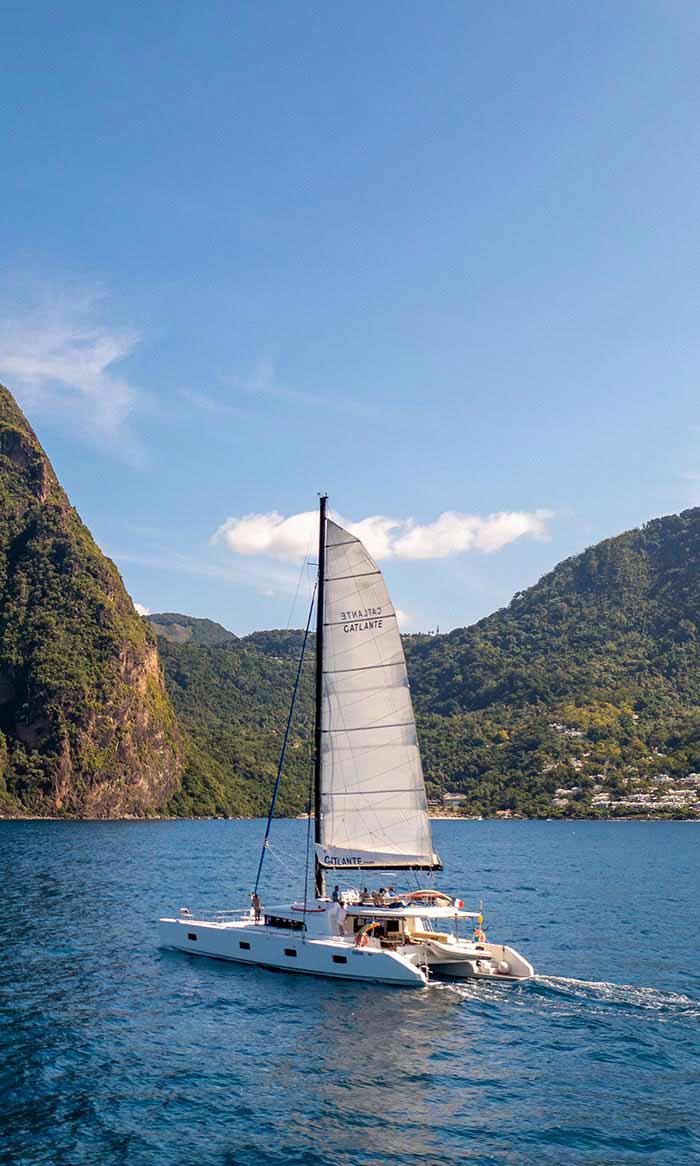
(290, 952)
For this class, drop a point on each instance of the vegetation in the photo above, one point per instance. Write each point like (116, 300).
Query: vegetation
(233, 701)
(185, 629)
(85, 724)
(590, 678)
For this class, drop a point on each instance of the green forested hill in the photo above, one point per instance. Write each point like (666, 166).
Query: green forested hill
(592, 677)
(185, 629)
(588, 682)
(233, 700)
(86, 727)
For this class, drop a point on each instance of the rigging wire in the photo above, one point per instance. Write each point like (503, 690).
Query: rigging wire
(276, 854)
(283, 751)
(308, 842)
(302, 570)
(309, 802)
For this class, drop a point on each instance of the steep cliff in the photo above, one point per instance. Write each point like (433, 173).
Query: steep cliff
(86, 727)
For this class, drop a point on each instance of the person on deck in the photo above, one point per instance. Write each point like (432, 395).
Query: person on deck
(256, 905)
(336, 893)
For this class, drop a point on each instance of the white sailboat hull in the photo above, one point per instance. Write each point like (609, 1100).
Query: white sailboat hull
(250, 943)
(488, 960)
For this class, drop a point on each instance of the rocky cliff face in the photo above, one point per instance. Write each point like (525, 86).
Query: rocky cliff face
(86, 727)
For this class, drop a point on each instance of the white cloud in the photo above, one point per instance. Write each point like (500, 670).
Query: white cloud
(141, 609)
(58, 356)
(453, 533)
(291, 539)
(270, 535)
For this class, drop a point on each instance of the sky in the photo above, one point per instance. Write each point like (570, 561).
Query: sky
(440, 261)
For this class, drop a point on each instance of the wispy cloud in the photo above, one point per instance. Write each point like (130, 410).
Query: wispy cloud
(240, 395)
(209, 404)
(288, 539)
(264, 382)
(268, 579)
(58, 355)
(141, 609)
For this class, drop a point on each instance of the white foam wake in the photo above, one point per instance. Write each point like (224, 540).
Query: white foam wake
(583, 995)
(623, 995)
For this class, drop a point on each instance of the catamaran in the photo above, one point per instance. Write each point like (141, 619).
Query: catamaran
(369, 814)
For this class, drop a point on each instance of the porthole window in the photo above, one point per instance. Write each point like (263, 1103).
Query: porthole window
(290, 951)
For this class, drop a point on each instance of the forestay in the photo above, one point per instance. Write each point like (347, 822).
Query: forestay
(373, 804)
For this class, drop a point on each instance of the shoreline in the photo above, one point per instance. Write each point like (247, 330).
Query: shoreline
(302, 817)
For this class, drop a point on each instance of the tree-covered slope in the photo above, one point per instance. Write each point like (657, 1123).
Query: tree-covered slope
(86, 727)
(186, 629)
(625, 614)
(589, 682)
(232, 701)
(590, 678)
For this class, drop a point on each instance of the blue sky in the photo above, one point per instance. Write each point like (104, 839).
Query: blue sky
(433, 259)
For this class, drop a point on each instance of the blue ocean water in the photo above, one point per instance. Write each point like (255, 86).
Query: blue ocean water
(114, 1052)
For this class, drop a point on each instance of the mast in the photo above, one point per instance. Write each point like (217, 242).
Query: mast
(320, 879)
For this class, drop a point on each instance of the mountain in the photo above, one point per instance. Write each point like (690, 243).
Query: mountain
(86, 726)
(185, 629)
(582, 696)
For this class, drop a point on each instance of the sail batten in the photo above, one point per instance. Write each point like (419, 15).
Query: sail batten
(373, 810)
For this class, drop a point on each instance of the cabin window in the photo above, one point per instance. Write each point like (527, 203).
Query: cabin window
(286, 924)
(244, 946)
(383, 928)
(340, 959)
(191, 935)
(290, 951)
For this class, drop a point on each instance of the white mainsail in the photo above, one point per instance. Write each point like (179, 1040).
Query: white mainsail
(373, 803)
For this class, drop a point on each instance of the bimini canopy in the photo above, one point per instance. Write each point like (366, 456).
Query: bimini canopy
(373, 803)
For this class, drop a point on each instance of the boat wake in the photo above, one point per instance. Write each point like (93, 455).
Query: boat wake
(671, 1005)
(594, 996)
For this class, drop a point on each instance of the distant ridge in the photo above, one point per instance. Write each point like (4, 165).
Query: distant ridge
(186, 629)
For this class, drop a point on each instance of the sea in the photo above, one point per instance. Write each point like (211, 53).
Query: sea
(116, 1053)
